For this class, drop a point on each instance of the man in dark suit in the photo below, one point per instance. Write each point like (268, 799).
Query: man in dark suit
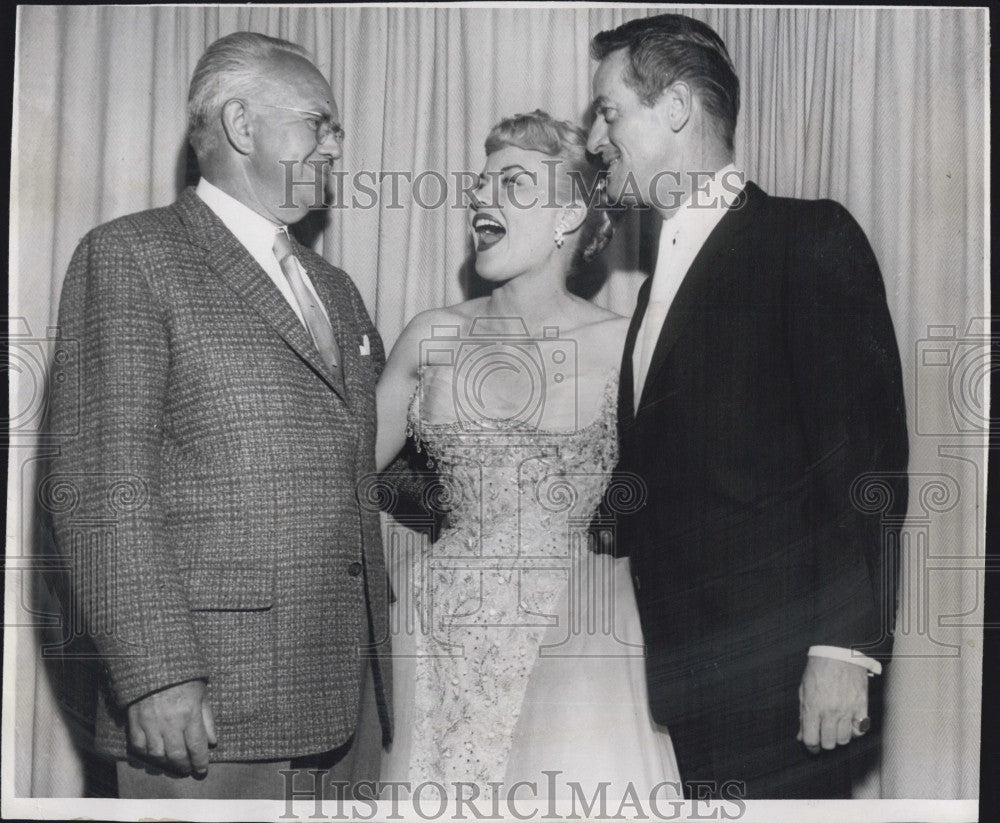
(227, 392)
(760, 404)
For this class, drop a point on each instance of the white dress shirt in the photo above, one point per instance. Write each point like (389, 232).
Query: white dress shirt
(256, 234)
(681, 238)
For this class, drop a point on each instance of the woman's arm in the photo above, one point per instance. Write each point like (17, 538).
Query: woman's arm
(396, 386)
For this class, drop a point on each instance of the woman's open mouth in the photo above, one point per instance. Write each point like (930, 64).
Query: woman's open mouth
(488, 231)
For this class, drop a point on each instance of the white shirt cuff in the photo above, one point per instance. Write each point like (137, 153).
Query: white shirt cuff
(848, 656)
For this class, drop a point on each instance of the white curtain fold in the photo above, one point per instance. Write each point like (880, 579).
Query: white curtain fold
(881, 109)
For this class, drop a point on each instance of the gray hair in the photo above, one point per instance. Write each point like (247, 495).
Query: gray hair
(233, 66)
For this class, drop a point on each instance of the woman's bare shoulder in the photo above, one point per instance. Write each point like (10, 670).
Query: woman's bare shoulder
(600, 343)
(443, 323)
(607, 324)
(456, 314)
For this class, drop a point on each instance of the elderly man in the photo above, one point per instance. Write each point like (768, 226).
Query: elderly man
(227, 378)
(760, 393)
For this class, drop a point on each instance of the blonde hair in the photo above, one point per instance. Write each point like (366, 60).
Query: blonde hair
(539, 131)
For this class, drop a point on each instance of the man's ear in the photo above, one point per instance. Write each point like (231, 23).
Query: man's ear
(678, 99)
(572, 217)
(236, 125)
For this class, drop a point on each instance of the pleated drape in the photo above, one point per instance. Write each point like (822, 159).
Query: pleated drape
(883, 110)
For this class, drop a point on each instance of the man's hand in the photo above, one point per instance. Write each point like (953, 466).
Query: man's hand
(174, 727)
(833, 700)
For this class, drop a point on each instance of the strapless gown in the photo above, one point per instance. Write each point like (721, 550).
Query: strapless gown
(518, 651)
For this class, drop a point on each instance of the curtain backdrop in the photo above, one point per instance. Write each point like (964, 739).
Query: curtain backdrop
(883, 110)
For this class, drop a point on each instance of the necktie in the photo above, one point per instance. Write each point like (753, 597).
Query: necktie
(315, 320)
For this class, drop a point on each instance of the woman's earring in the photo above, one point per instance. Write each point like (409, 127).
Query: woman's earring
(557, 235)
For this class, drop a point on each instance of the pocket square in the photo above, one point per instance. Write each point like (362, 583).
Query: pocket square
(365, 347)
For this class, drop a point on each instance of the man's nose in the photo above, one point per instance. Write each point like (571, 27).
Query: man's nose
(330, 147)
(598, 135)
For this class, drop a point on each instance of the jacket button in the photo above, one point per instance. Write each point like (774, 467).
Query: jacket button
(354, 570)
(635, 580)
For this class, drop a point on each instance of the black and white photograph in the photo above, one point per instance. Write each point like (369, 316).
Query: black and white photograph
(497, 412)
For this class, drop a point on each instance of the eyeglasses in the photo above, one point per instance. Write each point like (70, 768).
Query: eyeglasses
(320, 123)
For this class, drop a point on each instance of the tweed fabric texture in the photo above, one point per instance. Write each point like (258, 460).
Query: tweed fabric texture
(210, 502)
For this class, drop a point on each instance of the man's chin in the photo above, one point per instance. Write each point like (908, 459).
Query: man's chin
(292, 215)
(619, 194)
(305, 193)
(623, 200)
(304, 202)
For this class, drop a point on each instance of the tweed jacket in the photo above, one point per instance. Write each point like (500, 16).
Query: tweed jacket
(210, 503)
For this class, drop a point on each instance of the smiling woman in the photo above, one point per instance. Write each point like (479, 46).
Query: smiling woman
(515, 232)
(536, 217)
(513, 397)
(559, 175)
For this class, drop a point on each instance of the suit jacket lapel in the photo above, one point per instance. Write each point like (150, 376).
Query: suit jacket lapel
(228, 258)
(626, 380)
(650, 224)
(699, 278)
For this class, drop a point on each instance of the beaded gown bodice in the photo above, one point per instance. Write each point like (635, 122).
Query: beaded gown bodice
(518, 500)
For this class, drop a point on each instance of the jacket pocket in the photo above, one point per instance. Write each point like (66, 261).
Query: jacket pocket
(230, 586)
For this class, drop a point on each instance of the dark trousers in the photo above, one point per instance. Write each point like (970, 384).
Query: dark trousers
(359, 759)
(743, 745)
